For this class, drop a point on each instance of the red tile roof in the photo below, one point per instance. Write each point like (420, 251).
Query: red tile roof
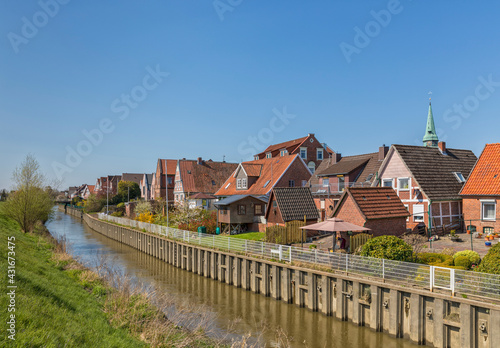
(484, 179)
(290, 145)
(171, 166)
(91, 188)
(272, 170)
(206, 177)
(375, 202)
(252, 169)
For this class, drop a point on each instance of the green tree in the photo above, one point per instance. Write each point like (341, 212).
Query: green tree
(93, 204)
(128, 190)
(491, 262)
(3, 195)
(388, 247)
(29, 203)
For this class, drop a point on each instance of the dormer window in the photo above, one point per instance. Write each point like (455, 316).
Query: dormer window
(244, 183)
(238, 184)
(459, 177)
(268, 155)
(255, 157)
(283, 152)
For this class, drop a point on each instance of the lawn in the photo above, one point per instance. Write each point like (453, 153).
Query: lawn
(51, 308)
(258, 236)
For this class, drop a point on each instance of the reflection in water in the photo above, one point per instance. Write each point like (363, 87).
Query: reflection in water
(243, 311)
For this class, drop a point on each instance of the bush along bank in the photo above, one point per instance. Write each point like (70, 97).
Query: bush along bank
(58, 302)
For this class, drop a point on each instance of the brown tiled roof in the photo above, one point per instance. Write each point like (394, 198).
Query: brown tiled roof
(171, 166)
(347, 164)
(294, 203)
(484, 179)
(91, 188)
(433, 170)
(134, 177)
(290, 145)
(201, 196)
(375, 202)
(206, 177)
(252, 169)
(272, 170)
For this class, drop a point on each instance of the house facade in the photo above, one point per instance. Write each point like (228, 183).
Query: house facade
(241, 213)
(310, 150)
(199, 176)
(146, 186)
(164, 177)
(201, 200)
(376, 208)
(481, 192)
(428, 179)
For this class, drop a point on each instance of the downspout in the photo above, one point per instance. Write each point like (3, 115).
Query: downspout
(429, 217)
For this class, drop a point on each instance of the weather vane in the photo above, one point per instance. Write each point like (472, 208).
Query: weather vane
(430, 95)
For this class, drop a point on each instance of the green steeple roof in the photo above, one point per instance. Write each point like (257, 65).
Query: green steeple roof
(430, 137)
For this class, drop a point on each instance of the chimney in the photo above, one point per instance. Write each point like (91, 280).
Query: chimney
(442, 146)
(382, 152)
(310, 134)
(336, 157)
(199, 161)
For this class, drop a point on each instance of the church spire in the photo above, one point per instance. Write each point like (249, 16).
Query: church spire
(430, 137)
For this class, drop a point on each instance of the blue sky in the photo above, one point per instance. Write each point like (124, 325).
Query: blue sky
(204, 76)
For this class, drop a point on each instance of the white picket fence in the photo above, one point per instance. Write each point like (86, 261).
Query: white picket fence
(425, 276)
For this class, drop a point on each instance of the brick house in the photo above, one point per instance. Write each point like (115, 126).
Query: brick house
(336, 173)
(377, 208)
(165, 171)
(291, 203)
(308, 148)
(107, 185)
(201, 200)
(134, 177)
(481, 192)
(199, 176)
(241, 213)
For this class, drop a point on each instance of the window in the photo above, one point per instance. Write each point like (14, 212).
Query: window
(224, 211)
(488, 230)
(242, 209)
(341, 183)
(256, 157)
(459, 177)
(303, 152)
(404, 183)
(326, 182)
(268, 155)
(304, 183)
(319, 154)
(488, 210)
(418, 212)
(170, 180)
(283, 152)
(407, 208)
(275, 204)
(291, 183)
(257, 209)
(213, 182)
(387, 183)
(238, 183)
(267, 183)
(369, 177)
(312, 166)
(244, 183)
(228, 185)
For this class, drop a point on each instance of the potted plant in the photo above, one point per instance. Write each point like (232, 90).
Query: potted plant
(453, 236)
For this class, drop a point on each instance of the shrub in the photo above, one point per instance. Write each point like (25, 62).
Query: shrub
(471, 255)
(462, 261)
(491, 262)
(120, 205)
(117, 214)
(388, 247)
(143, 207)
(435, 259)
(145, 217)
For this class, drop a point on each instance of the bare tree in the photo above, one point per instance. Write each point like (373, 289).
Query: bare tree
(29, 203)
(416, 241)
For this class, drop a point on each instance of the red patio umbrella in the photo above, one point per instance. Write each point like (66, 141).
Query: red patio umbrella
(335, 225)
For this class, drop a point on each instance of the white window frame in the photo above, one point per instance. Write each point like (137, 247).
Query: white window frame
(312, 170)
(244, 183)
(488, 202)
(325, 182)
(304, 183)
(417, 214)
(319, 154)
(269, 155)
(407, 206)
(401, 188)
(305, 153)
(283, 152)
(387, 180)
(459, 176)
(238, 183)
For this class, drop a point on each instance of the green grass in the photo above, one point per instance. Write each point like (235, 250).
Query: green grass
(259, 236)
(52, 308)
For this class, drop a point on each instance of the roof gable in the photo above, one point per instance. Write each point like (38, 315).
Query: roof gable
(484, 179)
(206, 177)
(294, 203)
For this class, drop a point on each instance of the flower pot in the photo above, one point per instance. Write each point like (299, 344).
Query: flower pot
(488, 243)
(492, 237)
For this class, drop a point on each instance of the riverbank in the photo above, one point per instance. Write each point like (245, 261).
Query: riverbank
(58, 302)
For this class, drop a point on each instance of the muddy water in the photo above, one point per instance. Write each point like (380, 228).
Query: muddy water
(235, 312)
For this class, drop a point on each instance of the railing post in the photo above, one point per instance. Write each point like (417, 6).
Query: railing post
(213, 241)
(290, 252)
(280, 249)
(383, 268)
(262, 246)
(452, 281)
(246, 245)
(346, 262)
(431, 277)
(229, 243)
(188, 236)
(315, 255)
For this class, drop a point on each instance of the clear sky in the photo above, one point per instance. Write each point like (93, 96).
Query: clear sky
(173, 79)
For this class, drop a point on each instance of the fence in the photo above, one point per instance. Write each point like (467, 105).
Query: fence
(288, 234)
(425, 276)
(358, 240)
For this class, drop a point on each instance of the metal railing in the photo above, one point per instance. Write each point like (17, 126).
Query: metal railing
(424, 276)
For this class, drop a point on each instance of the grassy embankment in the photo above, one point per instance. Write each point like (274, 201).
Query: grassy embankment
(60, 303)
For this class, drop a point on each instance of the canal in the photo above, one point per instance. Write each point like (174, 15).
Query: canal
(233, 312)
